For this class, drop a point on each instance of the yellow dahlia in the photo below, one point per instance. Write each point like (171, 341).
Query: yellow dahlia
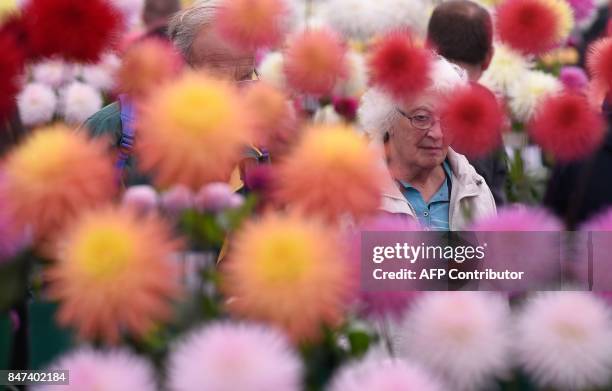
(192, 131)
(290, 272)
(565, 17)
(331, 172)
(53, 175)
(115, 272)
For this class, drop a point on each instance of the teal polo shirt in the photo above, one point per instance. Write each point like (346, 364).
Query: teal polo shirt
(433, 214)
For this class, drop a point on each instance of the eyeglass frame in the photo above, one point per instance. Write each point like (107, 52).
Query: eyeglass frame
(435, 119)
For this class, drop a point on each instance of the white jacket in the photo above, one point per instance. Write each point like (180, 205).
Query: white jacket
(470, 197)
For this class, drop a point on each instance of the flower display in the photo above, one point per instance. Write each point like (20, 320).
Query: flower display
(114, 272)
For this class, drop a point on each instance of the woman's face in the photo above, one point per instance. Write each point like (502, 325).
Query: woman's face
(419, 141)
(211, 53)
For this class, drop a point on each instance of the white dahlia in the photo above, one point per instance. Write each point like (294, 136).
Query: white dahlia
(37, 103)
(564, 340)
(463, 336)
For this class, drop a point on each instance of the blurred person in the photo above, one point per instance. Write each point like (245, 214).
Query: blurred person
(192, 33)
(427, 181)
(156, 14)
(461, 31)
(577, 191)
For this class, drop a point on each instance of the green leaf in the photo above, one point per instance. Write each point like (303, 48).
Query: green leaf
(360, 342)
(14, 277)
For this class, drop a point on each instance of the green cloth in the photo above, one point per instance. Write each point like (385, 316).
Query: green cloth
(107, 123)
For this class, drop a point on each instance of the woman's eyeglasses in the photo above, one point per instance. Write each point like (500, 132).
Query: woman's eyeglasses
(420, 119)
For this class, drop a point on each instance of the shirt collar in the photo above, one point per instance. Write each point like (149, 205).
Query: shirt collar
(442, 194)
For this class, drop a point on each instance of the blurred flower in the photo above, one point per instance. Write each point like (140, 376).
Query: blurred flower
(145, 65)
(506, 64)
(260, 179)
(331, 172)
(226, 357)
(271, 70)
(274, 116)
(53, 73)
(250, 25)
(346, 107)
(519, 218)
(315, 60)
(470, 327)
(384, 374)
(177, 199)
(288, 271)
(114, 272)
(79, 101)
(566, 126)
(37, 103)
(564, 340)
(181, 144)
(363, 20)
(53, 175)
(528, 91)
(102, 75)
(108, 370)
(514, 229)
(11, 67)
(215, 197)
(565, 17)
(7, 7)
(142, 198)
(131, 10)
(327, 115)
(357, 81)
(600, 222)
(574, 78)
(12, 237)
(599, 61)
(560, 56)
(533, 26)
(399, 66)
(381, 304)
(76, 30)
(582, 9)
(473, 120)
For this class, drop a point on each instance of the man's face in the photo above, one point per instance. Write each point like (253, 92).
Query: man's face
(419, 141)
(211, 53)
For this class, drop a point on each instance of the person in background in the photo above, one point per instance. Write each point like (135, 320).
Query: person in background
(427, 180)
(461, 31)
(579, 190)
(192, 34)
(156, 14)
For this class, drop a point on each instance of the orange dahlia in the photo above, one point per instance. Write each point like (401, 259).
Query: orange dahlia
(192, 131)
(145, 64)
(115, 272)
(331, 172)
(55, 174)
(290, 272)
(273, 115)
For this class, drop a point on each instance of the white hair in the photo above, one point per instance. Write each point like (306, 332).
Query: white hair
(186, 24)
(377, 114)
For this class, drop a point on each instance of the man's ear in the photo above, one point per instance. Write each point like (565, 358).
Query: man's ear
(488, 58)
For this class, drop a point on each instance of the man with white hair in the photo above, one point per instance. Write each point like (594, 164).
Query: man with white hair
(427, 180)
(193, 34)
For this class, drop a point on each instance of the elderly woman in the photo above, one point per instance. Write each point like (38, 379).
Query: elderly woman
(192, 33)
(427, 180)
